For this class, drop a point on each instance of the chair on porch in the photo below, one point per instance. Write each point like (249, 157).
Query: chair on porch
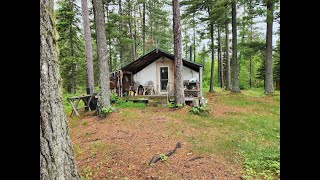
(133, 90)
(149, 88)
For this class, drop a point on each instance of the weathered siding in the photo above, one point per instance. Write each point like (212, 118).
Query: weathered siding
(151, 73)
(146, 74)
(189, 73)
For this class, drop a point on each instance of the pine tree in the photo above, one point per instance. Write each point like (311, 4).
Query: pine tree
(268, 66)
(69, 41)
(56, 156)
(178, 66)
(88, 47)
(235, 66)
(104, 81)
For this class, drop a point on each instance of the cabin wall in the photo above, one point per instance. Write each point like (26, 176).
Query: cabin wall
(189, 73)
(152, 73)
(145, 75)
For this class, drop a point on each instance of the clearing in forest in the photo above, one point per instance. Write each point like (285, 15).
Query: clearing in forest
(238, 139)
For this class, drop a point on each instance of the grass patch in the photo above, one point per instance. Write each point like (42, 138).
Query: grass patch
(261, 161)
(87, 173)
(98, 146)
(130, 104)
(84, 123)
(252, 139)
(73, 121)
(126, 113)
(77, 150)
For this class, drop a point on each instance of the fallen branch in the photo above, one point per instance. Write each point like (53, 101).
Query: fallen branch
(195, 158)
(157, 158)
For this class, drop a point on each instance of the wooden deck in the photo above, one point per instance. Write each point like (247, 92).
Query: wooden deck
(160, 99)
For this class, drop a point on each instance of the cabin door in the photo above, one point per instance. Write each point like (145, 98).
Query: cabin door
(164, 77)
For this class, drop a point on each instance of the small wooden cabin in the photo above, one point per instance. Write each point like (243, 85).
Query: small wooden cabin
(153, 75)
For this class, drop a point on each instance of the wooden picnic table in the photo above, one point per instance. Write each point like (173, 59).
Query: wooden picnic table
(74, 101)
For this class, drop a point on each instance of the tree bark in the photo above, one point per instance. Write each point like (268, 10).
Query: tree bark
(88, 47)
(56, 156)
(269, 70)
(220, 59)
(218, 55)
(251, 31)
(212, 59)
(194, 39)
(133, 55)
(120, 30)
(235, 68)
(135, 25)
(104, 81)
(109, 40)
(144, 27)
(178, 76)
(228, 74)
(73, 78)
(190, 51)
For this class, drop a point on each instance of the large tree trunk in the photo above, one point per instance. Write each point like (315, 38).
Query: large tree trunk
(144, 27)
(212, 59)
(133, 55)
(88, 47)
(136, 26)
(73, 73)
(251, 31)
(235, 67)
(218, 56)
(194, 39)
(109, 40)
(178, 68)
(220, 59)
(56, 156)
(228, 74)
(269, 70)
(190, 52)
(104, 81)
(73, 78)
(120, 30)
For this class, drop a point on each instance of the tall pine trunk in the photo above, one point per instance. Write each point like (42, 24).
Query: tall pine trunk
(269, 70)
(56, 156)
(73, 77)
(133, 55)
(228, 74)
(88, 47)
(220, 59)
(109, 39)
(144, 27)
(104, 81)
(178, 66)
(235, 67)
(122, 33)
(251, 31)
(212, 59)
(194, 39)
(136, 44)
(190, 52)
(73, 70)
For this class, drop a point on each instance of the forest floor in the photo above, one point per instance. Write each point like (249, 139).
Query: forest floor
(239, 139)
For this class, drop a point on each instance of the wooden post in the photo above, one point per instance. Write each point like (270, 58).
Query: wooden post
(121, 85)
(200, 84)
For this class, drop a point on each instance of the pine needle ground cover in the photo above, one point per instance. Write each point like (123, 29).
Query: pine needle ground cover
(240, 137)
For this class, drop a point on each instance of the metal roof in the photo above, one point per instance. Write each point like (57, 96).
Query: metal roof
(152, 56)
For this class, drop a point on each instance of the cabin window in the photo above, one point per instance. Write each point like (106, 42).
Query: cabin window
(164, 77)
